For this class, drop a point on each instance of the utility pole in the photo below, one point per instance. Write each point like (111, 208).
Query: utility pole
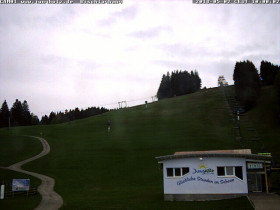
(9, 122)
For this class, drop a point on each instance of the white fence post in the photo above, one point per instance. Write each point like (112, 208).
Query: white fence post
(2, 192)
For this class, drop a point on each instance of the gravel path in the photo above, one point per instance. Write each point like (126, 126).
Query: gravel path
(50, 199)
(265, 201)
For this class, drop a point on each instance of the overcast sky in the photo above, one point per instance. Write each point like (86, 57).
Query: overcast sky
(60, 57)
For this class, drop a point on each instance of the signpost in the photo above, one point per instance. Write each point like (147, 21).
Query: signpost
(255, 165)
(20, 184)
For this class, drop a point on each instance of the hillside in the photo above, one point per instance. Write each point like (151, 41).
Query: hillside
(261, 123)
(97, 169)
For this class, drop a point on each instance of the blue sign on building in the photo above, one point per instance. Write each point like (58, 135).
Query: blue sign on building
(21, 184)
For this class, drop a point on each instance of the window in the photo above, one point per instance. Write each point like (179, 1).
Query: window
(238, 172)
(177, 172)
(221, 171)
(230, 171)
(169, 172)
(185, 171)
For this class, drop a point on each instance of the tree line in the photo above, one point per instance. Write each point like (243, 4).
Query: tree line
(248, 82)
(268, 72)
(178, 83)
(75, 114)
(20, 115)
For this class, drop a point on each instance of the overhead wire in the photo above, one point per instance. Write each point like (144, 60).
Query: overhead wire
(103, 105)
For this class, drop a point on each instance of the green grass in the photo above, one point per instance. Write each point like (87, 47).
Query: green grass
(13, 149)
(263, 118)
(95, 169)
(16, 148)
(24, 202)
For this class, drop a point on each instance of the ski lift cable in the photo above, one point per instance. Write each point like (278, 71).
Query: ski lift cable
(103, 105)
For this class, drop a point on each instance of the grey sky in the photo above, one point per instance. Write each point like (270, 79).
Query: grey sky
(59, 57)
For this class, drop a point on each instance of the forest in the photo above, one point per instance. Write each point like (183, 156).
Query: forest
(20, 115)
(178, 83)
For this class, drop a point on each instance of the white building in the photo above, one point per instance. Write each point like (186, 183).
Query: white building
(210, 175)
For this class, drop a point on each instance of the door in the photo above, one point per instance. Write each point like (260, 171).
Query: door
(254, 182)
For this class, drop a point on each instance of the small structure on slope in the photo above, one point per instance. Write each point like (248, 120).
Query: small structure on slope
(222, 81)
(212, 175)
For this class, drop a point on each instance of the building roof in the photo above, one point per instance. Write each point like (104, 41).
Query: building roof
(245, 153)
(234, 151)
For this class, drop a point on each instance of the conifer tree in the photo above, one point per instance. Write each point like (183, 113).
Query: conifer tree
(4, 115)
(179, 83)
(26, 113)
(247, 83)
(197, 81)
(44, 120)
(268, 72)
(52, 117)
(17, 113)
(164, 90)
(34, 119)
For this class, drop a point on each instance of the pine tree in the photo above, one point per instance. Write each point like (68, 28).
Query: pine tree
(26, 113)
(44, 120)
(34, 119)
(268, 72)
(4, 115)
(17, 114)
(174, 83)
(188, 88)
(247, 83)
(179, 83)
(77, 113)
(197, 81)
(52, 117)
(164, 90)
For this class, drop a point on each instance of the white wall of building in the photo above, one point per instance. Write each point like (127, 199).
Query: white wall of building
(199, 182)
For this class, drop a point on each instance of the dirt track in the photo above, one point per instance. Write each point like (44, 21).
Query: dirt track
(265, 201)
(50, 199)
